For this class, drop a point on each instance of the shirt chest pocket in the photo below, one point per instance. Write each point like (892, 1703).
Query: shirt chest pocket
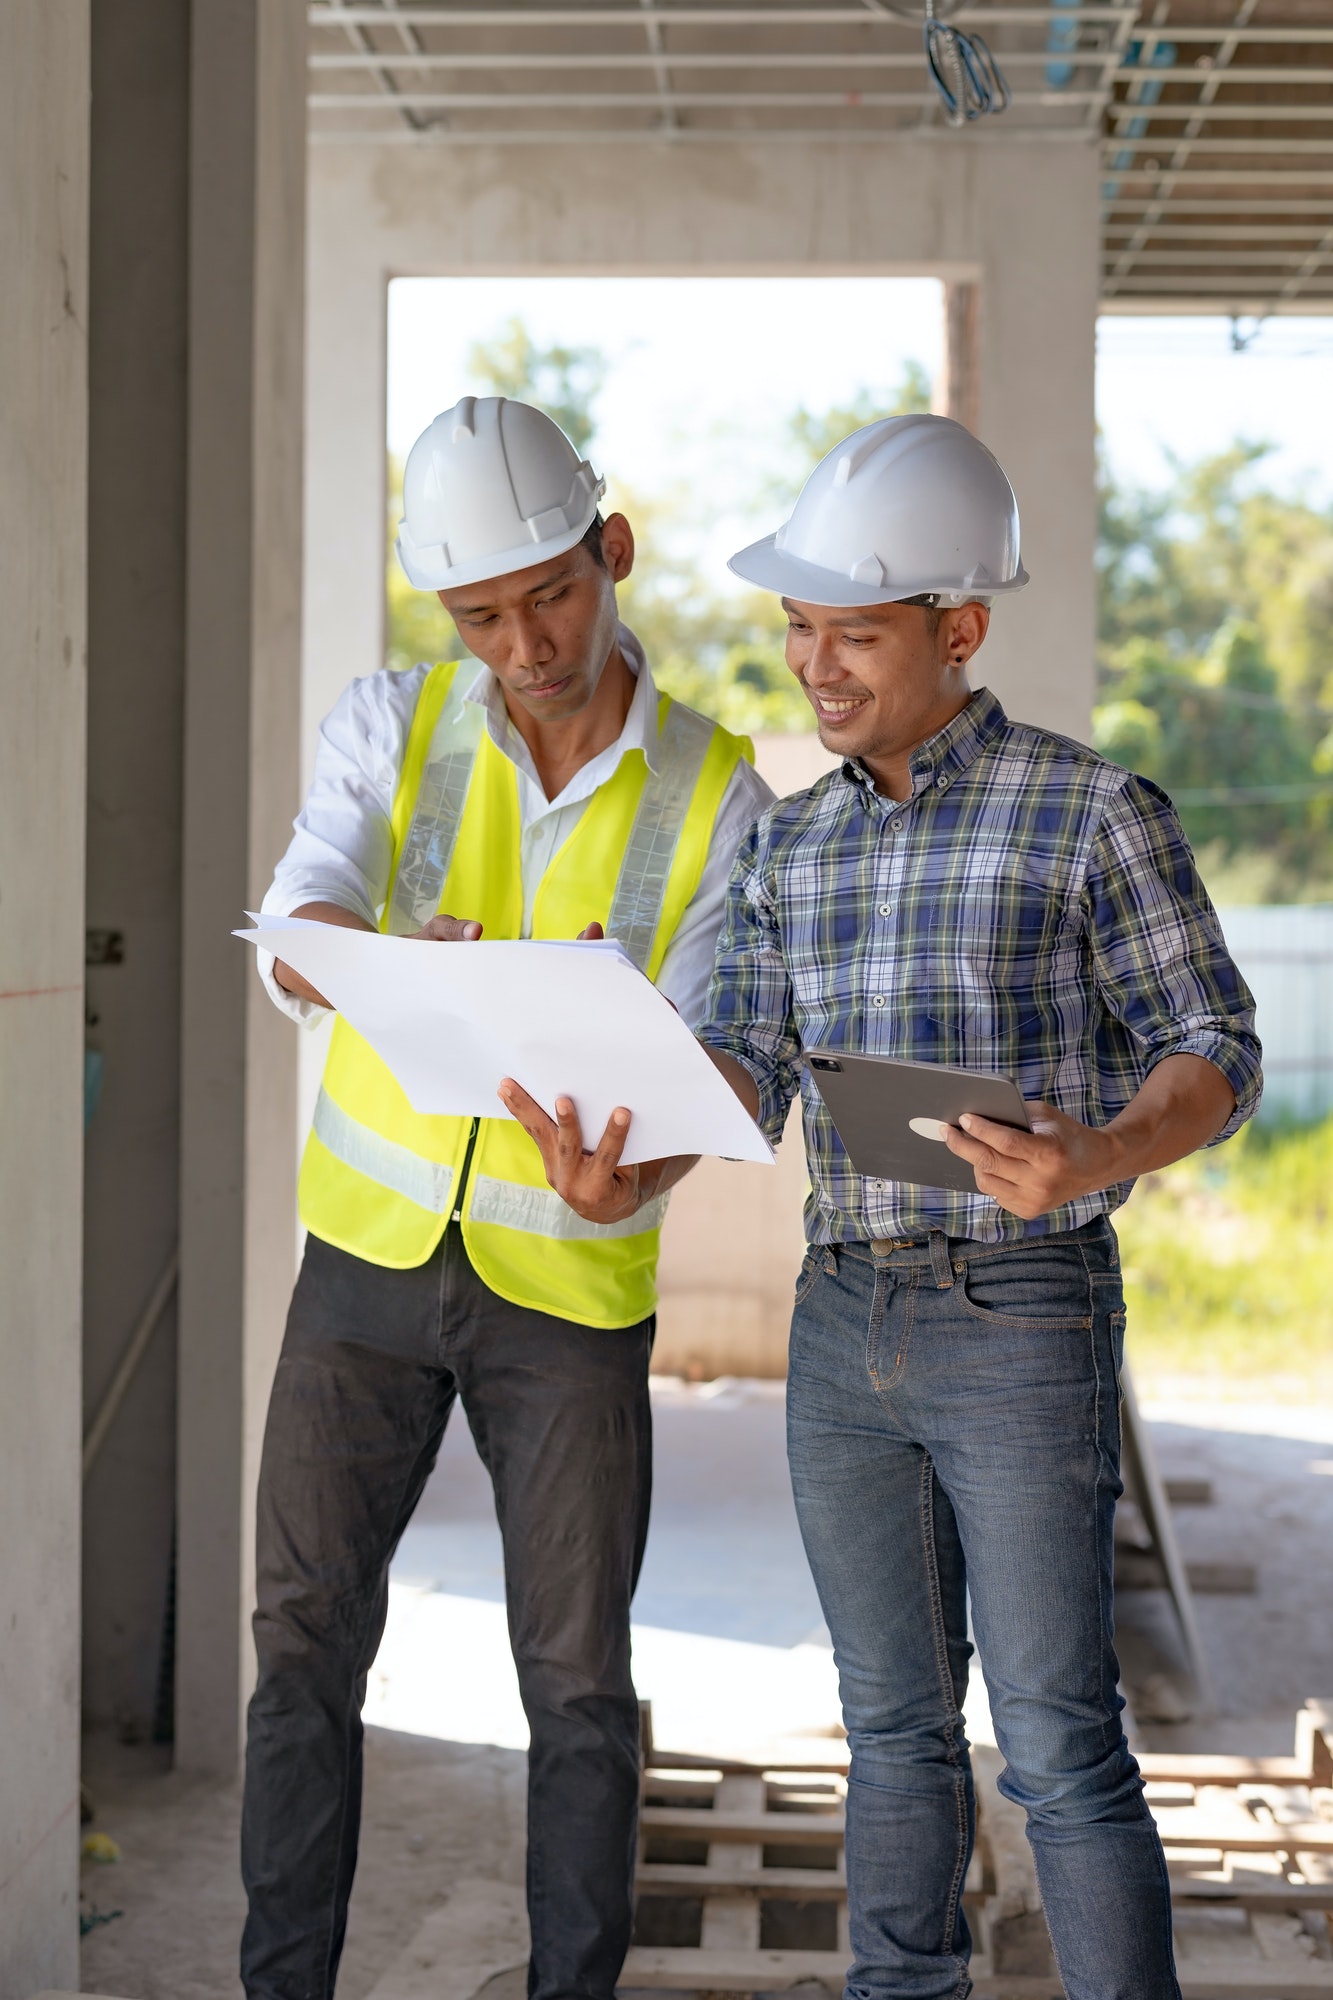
(986, 963)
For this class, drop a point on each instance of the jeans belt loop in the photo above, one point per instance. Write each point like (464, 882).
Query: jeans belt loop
(939, 1260)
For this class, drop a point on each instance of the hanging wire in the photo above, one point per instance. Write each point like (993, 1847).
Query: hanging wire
(965, 73)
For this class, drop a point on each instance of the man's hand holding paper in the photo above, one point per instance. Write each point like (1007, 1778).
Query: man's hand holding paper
(569, 1020)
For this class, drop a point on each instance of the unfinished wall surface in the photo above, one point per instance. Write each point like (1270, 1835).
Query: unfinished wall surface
(242, 698)
(43, 447)
(136, 616)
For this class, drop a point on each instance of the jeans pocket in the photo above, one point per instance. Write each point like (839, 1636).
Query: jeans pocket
(1044, 1289)
(806, 1277)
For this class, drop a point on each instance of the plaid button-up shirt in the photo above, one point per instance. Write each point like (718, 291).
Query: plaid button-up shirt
(1030, 910)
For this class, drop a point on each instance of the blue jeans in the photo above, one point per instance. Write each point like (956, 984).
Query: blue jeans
(953, 1430)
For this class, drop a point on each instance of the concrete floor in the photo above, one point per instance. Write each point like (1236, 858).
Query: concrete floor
(729, 1646)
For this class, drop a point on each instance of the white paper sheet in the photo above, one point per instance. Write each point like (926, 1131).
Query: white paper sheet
(568, 1020)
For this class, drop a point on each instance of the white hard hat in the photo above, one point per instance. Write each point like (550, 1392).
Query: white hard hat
(909, 505)
(490, 487)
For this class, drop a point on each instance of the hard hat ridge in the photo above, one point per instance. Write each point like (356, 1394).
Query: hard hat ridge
(905, 507)
(491, 486)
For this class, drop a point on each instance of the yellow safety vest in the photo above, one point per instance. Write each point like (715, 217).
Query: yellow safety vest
(380, 1179)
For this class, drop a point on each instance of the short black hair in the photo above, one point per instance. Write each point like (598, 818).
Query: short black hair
(592, 540)
(929, 601)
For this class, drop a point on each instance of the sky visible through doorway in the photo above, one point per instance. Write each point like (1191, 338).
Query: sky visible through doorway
(705, 374)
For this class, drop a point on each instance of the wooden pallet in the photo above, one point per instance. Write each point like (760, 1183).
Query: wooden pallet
(751, 1857)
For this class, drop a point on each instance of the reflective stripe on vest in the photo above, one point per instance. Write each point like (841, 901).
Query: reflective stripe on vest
(433, 833)
(426, 1182)
(541, 1212)
(636, 907)
(380, 1180)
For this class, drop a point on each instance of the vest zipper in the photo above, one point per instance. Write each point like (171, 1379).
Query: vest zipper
(457, 1215)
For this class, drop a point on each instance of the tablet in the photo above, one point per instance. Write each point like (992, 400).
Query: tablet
(873, 1100)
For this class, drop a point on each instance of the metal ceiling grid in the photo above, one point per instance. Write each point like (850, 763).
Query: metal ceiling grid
(1215, 117)
(623, 73)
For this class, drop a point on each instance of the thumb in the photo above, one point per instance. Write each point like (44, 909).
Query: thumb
(590, 933)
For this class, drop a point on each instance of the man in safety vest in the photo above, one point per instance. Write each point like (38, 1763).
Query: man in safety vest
(550, 792)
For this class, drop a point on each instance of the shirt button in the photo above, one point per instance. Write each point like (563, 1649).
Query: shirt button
(897, 825)
(942, 782)
(877, 999)
(886, 909)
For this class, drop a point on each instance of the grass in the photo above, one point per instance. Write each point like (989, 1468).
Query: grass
(1229, 1270)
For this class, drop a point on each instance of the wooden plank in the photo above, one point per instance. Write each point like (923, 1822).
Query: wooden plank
(1188, 1827)
(684, 1760)
(771, 1829)
(681, 1878)
(1250, 1979)
(730, 1920)
(1277, 1897)
(677, 1967)
(1172, 1767)
(1311, 1765)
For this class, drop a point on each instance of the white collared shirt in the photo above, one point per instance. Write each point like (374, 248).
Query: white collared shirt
(342, 846)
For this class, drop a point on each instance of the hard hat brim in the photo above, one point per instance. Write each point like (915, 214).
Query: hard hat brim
(423, 575)
(775, 569)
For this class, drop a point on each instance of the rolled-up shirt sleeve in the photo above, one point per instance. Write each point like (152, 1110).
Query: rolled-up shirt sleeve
(749, 1013)
(1158, 954)
(341, 849)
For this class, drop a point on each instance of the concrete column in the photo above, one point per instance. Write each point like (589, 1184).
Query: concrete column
(1037, 342)
(136, 586)
(962, 356)
(43, 498)
(243, 605)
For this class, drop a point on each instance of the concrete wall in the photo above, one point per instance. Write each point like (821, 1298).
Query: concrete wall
(43, 448)
(136, 603)
(242, 704)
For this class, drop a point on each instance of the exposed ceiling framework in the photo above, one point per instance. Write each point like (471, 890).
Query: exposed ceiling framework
(1215, 117)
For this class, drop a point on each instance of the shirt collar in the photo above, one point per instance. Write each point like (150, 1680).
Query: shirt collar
(639, 733)
(951, 749)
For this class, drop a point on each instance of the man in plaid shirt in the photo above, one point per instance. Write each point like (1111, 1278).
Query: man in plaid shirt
(965, 890)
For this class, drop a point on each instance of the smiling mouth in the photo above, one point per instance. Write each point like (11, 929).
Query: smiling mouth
(837, 708)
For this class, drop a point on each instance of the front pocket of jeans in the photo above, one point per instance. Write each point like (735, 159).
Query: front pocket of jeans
(806, 1276)
(1051, 1293)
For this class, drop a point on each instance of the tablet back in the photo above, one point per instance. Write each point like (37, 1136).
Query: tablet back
(871, 1098)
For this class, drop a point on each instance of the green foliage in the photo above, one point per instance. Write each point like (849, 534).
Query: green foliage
(815, 432)
(563, 381)
(812, 434)
(1216, 664)
(417, 626)
(1229, 1269)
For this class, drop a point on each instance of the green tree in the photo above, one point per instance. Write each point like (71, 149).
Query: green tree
(1216, 664)
(812, 434)
(563, 381)
(417, 626)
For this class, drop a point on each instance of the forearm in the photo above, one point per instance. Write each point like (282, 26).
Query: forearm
(737, 1075)
(1184, 1103)
(287, 976)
